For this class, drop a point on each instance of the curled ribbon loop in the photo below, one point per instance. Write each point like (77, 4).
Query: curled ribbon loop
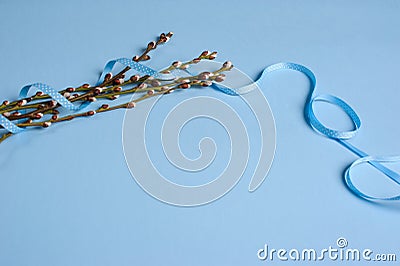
(375, 160)
(339, 136)
(331, 133)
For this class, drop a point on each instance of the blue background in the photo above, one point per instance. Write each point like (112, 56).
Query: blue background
(66, 194)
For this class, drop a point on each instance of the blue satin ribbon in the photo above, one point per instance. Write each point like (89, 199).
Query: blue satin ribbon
(54, 94)
(127, 63)
(338, 135)
(374, 160)
(9, 126)
(46, 89)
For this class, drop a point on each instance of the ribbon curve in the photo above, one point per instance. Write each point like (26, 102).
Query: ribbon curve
(338, 135)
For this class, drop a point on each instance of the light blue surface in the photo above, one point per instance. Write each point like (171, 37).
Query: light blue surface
(66, 195)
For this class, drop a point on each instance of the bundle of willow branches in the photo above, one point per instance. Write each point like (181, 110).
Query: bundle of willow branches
(40, 110)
